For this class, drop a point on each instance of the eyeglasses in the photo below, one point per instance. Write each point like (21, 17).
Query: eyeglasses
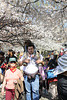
(12, 62)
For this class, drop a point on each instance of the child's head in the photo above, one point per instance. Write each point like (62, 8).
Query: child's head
(46, 60)
(12, 62)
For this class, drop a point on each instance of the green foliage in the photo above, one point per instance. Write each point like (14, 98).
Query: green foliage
(18, 67)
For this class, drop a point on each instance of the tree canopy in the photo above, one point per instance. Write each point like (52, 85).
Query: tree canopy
(34, 20)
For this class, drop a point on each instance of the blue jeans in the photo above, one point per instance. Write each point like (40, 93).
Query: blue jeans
(34, 84)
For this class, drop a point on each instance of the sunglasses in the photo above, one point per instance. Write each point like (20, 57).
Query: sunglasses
(12, 62)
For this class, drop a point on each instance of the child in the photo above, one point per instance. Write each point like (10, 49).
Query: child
(11, 76)
(42, 77)
(45, 70)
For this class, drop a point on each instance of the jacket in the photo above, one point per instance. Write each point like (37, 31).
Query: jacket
(19, 88)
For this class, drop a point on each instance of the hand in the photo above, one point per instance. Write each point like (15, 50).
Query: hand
(2, 91)
(27, 60)
(33, 56)
(38, 61)
(22, 78)
(15, 81)
(47, 69)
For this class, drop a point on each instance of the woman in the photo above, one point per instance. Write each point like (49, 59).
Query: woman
(11, 77)
(10, 54)
(62, 77)
(61, 72)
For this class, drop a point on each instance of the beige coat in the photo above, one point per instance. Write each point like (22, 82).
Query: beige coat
(19, 88)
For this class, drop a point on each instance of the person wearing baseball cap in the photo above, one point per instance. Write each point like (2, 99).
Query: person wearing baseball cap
(11, 76)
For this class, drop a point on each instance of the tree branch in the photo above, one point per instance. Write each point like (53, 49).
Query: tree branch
(29, 4)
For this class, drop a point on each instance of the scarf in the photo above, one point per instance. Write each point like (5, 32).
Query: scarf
(13, 69)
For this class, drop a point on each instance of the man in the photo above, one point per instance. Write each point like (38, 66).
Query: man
(30, 69)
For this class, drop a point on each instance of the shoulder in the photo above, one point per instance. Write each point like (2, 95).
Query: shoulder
(7, 72)
(19, 73)
(7, 57)
(18, 70)
(23, 56)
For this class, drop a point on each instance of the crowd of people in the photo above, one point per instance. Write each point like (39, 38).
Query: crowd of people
(39, 74)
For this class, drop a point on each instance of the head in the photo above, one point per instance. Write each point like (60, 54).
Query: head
(62, 50)
(1, 57)
(38, 52)
(31, 48)
(12, 62)
(27, 42)
(65, 51)
(13, 52)
(46, 60)
(55, 57)
(10, 52)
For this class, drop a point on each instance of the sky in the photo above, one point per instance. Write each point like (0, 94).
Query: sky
(65, 25)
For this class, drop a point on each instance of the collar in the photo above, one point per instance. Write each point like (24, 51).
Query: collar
(13, 69)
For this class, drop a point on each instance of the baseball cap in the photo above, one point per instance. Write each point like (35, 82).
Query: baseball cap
(13, 59)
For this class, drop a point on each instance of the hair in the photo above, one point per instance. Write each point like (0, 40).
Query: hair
(10, 50)
(47, 59)
(13, 52)
(2, 53)
(28, 43)
(38, 51)
(55, 57)
(2, 57)
(65, 45)
(31, 45)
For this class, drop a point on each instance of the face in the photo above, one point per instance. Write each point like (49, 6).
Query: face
(10, 53)
(12, 64)
(46, 61)
(65, 52)
(30, 50)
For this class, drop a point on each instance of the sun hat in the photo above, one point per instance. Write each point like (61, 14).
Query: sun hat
(62, 62)
(62, 65)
